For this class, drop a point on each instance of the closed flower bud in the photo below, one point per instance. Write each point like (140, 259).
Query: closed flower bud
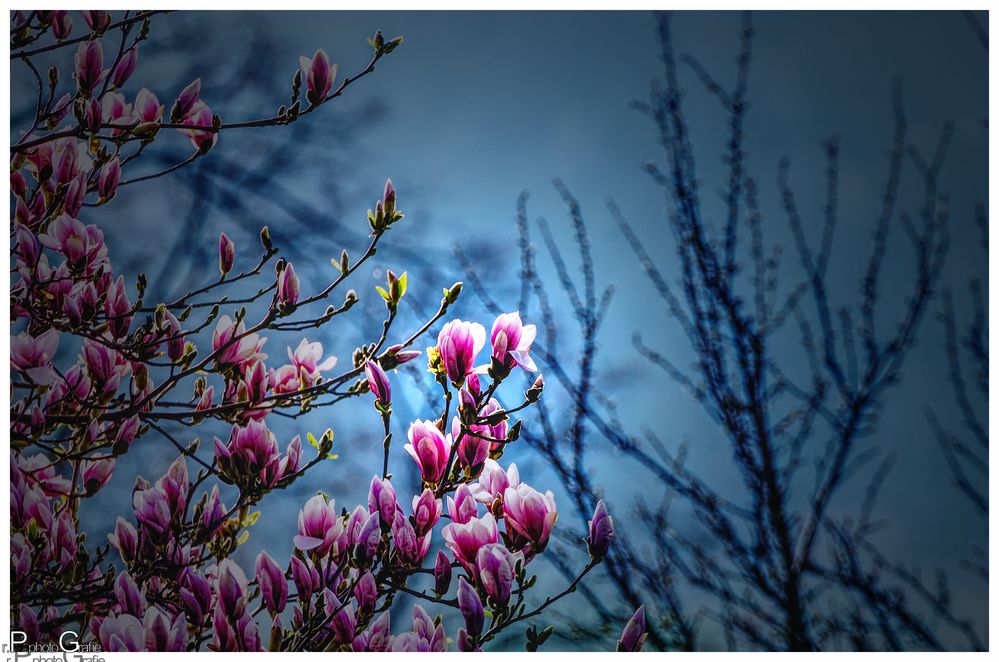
(496, 566)
(319, 75)
(471, 607)
(601, 532)
(107, 182)
(272, 583)
(426, 511)
(382, 499)
(378, 382)
(125, 68)
(366, 593)
(442, 573)
(634, 634)
(227, 253)
(231, 588)
(288, 286)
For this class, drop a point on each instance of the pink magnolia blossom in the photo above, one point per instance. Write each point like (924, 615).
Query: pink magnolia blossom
(227, 253)
(319, 75)
(319, 526)
(186, 100)
(458, 343)
(530, 514)
(97, 20)
(463, 507)
(426, 511)
(126, 65)
(81, 245)
(32, 355)
(272, 582)
(231, 588)
(496, 567)
(601, 531)
(89, 65)
(493, 481)
(288, 286)
(235, 352)
(306, 360)
(200, 115)
(147, 107)
(96, 473)
(430, 448)
(471, 607)
(633, 636)
(465, 540)
(107, 182)
(511, 341)
(378, 382)
(382, 498)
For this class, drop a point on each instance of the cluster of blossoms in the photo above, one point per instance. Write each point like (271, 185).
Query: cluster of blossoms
(95, 368)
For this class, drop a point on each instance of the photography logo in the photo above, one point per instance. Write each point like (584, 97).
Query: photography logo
(67, 648)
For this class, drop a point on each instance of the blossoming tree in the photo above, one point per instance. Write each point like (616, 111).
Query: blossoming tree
(95, 367)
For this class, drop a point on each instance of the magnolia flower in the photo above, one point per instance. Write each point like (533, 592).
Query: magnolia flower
(342, 619)
(530, 514)
(126, 65)
(369, 538)
(463, 507)
(163, 634)
(89, 65)
(215, 511)
(288, 286)
(442, 573)
(186, 100)
(96, 473)
(130, 599)
(458, 343)
(152, 510)
(227, 253)
(473, 449)
(306, 578)
(493, 481)
(471, 607)
(32, 355)
(306, 361)
(231, 351)
(382, 498)
(319, 75)
(496, 567)
(512, 341)
(378, 382)
(125, 539)
(146, 108)
(601, 531)
(426, 511)
(97, 20)
(81, 245)
(196, 593)
(272, 583)
(231, 587)
(429, 447)
(377, 637)
(107, 182)
(465, 540)
(409, 547)
(319, 526)
(122, 633)
(200, 116)
(366, 593)
(252, 452)
(634, 634)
